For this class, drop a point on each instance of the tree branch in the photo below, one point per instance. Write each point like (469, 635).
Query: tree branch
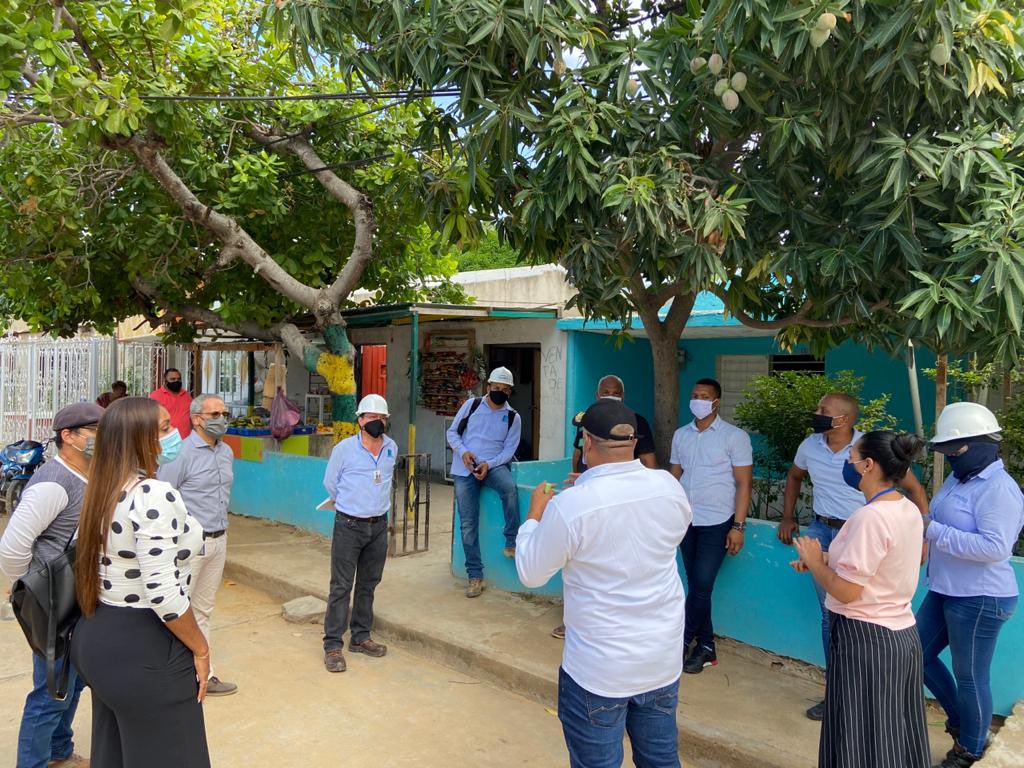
(224, 228)
(358, 203)
(799, 318)
(72, 24)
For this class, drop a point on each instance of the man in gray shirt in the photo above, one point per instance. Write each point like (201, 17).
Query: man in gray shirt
(203, 474)
(41, 526)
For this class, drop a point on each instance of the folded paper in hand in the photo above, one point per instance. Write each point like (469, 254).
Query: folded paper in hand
(326, 504)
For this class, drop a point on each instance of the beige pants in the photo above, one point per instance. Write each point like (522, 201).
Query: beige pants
(207, 572)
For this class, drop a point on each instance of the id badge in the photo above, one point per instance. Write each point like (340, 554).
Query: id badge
(377, 480)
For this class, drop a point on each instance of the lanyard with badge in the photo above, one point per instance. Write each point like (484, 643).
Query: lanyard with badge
(377, 477)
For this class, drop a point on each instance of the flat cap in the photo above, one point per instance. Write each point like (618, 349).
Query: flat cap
(608, 420)
(77, 415)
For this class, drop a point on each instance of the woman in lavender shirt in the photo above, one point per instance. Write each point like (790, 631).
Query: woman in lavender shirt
(974, 523)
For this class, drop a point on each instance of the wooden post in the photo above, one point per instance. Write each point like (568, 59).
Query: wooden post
(940, 403)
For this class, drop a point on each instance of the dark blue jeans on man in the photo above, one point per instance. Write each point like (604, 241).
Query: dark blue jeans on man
(825, 535)
(467, 495)
(969, 626)
(703, 552)
(594, 726)
(45, 734)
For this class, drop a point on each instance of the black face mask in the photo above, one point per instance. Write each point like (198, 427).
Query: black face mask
(820, 422)
(374, 428)
(498, 397)
(174, 386)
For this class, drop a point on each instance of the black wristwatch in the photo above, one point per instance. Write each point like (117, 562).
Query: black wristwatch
(739, 526)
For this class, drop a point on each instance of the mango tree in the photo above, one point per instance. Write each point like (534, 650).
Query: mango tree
(139, 176)
(807, 161)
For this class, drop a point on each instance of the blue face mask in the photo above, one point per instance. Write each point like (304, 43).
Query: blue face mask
(851, 475)
(170, 447)
(969, 463)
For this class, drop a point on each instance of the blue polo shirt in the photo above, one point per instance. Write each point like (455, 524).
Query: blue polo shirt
(832, 496)
(972, 534)
(358, 481)
(487, 436)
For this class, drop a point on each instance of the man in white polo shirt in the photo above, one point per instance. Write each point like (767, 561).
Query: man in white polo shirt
(822, 456)
(614, 535)
(713, 461)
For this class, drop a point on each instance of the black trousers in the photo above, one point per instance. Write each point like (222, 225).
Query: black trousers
(874, 698)
(143, 681)
(359, 549)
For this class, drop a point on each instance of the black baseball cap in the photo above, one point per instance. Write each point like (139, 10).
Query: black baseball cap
(77, 415)
(608, 420)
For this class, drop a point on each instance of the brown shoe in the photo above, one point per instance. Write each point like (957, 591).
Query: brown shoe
(334, 660)
(73, 761)
(475, 588)
(558, 632)
(217, 687)
(368, 647)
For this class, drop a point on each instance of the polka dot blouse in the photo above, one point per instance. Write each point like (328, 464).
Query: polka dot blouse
(151, 539)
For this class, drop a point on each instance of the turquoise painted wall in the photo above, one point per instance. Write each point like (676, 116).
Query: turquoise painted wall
(283, 488)
(594, 355)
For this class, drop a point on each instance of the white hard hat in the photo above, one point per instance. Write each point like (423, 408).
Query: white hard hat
(372, 404)
(959, 421)
(500, 376)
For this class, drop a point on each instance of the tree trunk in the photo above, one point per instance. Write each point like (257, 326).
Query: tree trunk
(940, 403)
(665, 355)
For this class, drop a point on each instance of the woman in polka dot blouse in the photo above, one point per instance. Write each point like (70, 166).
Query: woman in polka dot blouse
(138, 645)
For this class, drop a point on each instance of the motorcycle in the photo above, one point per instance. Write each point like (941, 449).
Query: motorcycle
(17, 463)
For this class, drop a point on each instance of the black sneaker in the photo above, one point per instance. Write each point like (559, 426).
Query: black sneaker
(817, 712)
(958, 757)
(701, 658)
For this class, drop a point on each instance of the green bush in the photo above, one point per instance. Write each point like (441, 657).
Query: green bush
(777, 407)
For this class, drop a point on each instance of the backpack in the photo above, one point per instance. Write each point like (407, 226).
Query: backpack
(47, 609)
(472, 409)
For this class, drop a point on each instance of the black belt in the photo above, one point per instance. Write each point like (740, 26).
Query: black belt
(376, 519)
(831, 522)
(213, 534)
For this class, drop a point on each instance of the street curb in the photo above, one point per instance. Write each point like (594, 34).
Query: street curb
(1008, 744)
(697, 741)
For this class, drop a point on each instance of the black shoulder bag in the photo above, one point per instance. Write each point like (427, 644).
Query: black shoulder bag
(47, 609)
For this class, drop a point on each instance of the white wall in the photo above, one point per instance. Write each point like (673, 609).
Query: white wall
(430, 426)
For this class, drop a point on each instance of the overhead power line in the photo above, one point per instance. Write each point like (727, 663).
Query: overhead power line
(350, 96)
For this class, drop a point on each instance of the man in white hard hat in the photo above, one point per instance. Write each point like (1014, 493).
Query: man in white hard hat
(358, 479)
(484, 437)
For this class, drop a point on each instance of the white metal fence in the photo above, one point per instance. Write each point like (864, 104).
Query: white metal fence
(38, 377)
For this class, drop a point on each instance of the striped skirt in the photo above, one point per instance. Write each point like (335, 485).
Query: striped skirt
(874, 698)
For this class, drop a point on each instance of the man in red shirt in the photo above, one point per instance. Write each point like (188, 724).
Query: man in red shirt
(176, 400)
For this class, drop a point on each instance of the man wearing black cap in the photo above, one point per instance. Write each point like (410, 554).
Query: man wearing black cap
(614, 535)
(41, 526)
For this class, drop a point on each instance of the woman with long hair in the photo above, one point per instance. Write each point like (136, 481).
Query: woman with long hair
(138, 645)
(874, 697)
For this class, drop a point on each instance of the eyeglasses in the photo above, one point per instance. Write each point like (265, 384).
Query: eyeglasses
(225, 414)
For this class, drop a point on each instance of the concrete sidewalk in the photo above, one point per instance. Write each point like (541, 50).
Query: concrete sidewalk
(749, 711)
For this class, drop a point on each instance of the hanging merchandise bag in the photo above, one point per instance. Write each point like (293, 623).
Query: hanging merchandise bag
(284, 415)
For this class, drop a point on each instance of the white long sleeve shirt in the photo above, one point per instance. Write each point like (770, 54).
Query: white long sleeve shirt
(614, 535)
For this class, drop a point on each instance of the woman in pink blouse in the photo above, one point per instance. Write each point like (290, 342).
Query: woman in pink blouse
(874, 699)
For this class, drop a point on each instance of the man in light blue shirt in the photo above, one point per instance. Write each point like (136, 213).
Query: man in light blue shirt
(713, 461)
(821, 457)
(358, 479)
(484, 437)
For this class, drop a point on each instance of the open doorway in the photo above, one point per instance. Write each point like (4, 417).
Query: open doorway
(524, 362)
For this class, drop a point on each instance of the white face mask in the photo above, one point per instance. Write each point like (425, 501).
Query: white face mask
(611, 397)
(702, 408)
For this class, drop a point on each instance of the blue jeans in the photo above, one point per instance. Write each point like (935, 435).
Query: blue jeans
(45, 733)
(594, 726)
(818, 530)
(969, 626)
(703, 552)
(467, 494)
